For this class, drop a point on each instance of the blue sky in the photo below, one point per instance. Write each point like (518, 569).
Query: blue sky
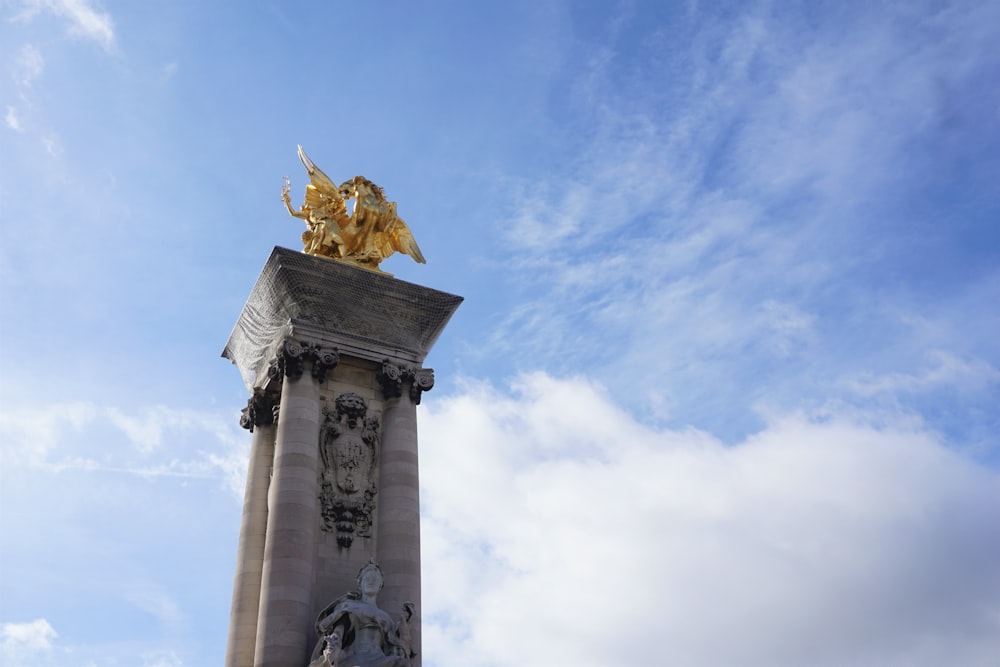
(724, 387)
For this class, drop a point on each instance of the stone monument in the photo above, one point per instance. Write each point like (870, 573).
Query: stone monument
(331, 350)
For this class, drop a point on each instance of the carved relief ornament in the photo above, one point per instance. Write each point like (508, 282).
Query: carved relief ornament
(348, 442)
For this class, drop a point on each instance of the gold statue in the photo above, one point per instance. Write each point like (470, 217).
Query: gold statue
(363, 238)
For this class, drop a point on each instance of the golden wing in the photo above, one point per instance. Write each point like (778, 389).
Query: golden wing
(397, 237)
(321, 185)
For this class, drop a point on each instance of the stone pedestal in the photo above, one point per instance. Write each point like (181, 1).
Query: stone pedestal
(332, 355)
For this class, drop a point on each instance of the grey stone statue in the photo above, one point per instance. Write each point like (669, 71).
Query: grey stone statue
(354, 632)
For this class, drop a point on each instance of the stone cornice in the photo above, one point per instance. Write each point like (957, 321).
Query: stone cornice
(364, 314)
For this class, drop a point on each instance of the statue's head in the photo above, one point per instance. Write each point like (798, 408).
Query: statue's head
(370, 579)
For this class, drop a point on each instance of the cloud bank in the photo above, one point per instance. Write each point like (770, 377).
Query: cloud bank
(558, 530)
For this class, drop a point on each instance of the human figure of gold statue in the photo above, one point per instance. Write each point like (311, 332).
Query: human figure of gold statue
(324, 216)
(370, 234)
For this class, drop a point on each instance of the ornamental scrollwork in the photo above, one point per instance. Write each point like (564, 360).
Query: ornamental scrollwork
(392, 378)
(423, 380)
(349, 442)
(292, 356)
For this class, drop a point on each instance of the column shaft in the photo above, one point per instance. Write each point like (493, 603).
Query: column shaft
(398, 545)
(250, 553)
(285, 620)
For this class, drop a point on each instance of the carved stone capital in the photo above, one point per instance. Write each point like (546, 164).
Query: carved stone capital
(392, 378)
(423, 380)
(291, 359)
(323, 361)
(260, 410)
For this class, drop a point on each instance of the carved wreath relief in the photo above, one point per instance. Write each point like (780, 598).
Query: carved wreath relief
(349, 441)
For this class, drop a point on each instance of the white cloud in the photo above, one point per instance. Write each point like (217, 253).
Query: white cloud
(23, 643)
(82, 17)
(12, 120)
(557, 530)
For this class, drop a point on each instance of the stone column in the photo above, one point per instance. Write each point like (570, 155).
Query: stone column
(398, 546)
(370, 317)
(258, 417)
(285, 619)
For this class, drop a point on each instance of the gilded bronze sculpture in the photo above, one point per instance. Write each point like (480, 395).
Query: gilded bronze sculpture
(364, 237)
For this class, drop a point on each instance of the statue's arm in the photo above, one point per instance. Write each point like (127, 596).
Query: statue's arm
(285, 189)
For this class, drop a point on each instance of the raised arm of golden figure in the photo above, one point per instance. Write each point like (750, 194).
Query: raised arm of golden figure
(285, 189)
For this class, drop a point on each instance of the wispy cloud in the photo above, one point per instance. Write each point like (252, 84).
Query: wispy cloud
(169, 71)
(161, 659)
(151, 598)
(202, 445)
(943, 369)
(52, 144)
(12, 120)
(82, 17)
(723, 223)
(28, 65)
(32, 433)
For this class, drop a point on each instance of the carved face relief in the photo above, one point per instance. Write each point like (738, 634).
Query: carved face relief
(351, 406)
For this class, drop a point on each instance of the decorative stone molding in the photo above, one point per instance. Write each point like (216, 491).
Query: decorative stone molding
(261, 410)
(348, 444)
(392, 377)
(292, 356)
